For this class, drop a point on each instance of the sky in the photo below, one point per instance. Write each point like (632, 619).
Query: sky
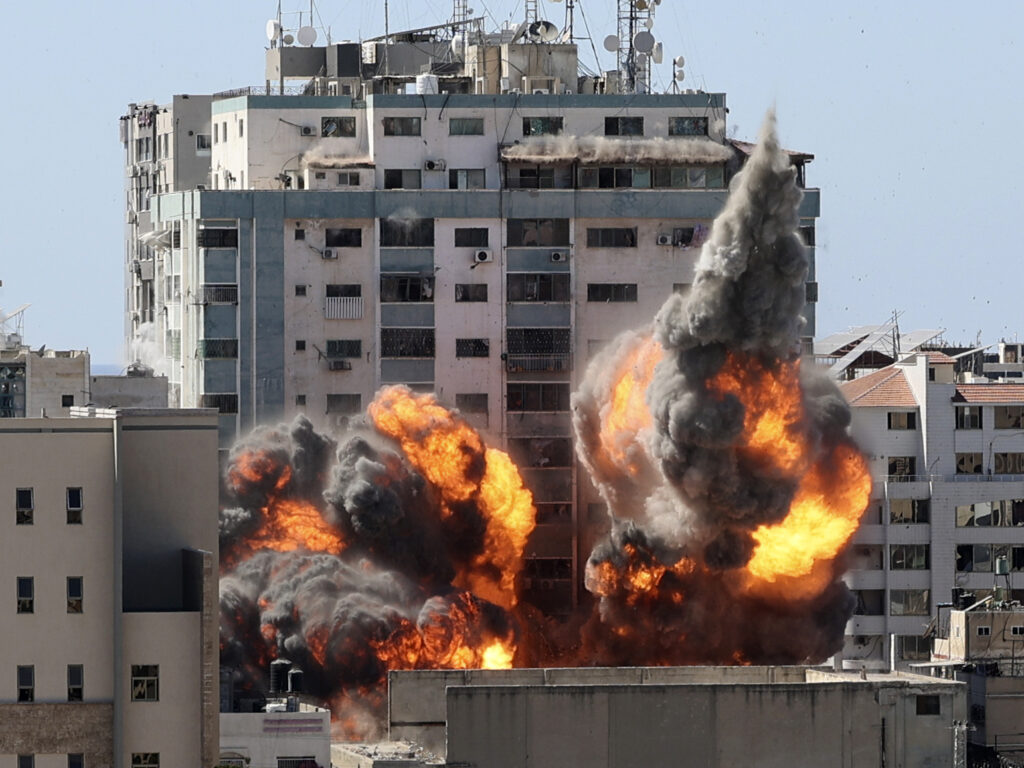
(902, 105)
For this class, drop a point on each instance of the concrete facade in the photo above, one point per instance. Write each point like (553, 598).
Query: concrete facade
(262, 739)
(947, 501)
(110, 542)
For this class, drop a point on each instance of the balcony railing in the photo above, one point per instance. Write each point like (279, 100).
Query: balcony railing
(343, 307)
(538, 363)
(220, 294)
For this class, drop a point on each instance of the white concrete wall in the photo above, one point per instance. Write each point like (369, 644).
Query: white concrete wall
(264, 737)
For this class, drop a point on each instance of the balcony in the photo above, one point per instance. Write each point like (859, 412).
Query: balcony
(219, 294)
(538, 363)
(343, 308)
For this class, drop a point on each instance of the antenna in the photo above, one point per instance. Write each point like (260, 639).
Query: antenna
(635, 20)
(306, 35)
(531, 10)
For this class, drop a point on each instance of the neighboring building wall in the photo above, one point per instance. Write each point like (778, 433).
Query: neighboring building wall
(264, 738)
(128, 391)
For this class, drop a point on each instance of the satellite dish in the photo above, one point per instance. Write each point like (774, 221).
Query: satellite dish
(641, 61)
(641, 5)
(520, 31)
(643, 41)
(544, 31)
(273, 29)
(611, 43)
(288, 39)
(680, 75)
(659, 53)
(649, 22)
(679, 61)
(307, 35)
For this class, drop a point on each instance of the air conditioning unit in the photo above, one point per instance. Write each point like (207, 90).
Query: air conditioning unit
(537, 91)
(664, 239)
(482, 256)
(339, 365)
(328, 253)
(306, 130)
(559, 256)
(433, 165)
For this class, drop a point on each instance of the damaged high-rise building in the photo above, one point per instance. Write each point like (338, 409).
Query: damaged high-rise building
(453, 209)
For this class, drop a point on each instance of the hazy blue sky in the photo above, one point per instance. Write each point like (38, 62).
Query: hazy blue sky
(905, 106)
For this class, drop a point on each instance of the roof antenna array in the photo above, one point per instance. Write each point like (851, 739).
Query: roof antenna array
(634, 46)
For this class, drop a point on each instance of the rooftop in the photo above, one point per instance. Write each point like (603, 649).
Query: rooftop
(887, 386)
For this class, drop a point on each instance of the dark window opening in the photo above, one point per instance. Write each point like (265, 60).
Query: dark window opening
(406, 288)
(471, 237)
(524, 233)
(472, 347)
(471, 291)
(623, 126)
(541, 286)
(344, 348)
(407, 233)
(407, 342)
(345, 237)
(611, 292)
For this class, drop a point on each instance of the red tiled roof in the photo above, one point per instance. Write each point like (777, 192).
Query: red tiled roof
(989, 393)
(934, 356)
(887, 386)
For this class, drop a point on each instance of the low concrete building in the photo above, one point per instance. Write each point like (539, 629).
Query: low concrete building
(709, 716)
(276, 739)
(388, 754)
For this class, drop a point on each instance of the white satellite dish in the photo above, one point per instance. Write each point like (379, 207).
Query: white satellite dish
(288, 39)
(611, 43)
(273, 29)
(680, 75)
(659, 53)
(520, 31)
(544, 31)
(679, 61)
(641, 61)
(307, 35)
(649, 22)
(643, 41)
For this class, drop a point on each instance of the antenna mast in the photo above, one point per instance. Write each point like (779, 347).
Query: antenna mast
(387, 38)
(635, 44)
(531, 11)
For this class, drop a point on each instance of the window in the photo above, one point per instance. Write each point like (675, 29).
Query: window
(471, 237)
(542, 126)
(300, 290)
(26, 594)
(401, 126)
(623, 126)
(216, 133)
(145, 760)
(902, 467)
(296, 762)
(76, 678)
(928, 704)
(984, 631)
(968, 417)
(345, 237)
(407, 233)
(902, 420)
(224, 402)
(471, 402)
(687, 126)
(74, 505)
(203, 142)
(1008, 463)
(66, 401)
(348, 179)
(538, 341)
(23, 506)
(347, 404)
(530, 396)
(300, 234)
(543, 286)
(870, 602)
(300, 400)
(541, 451)
(402, 178)
(74, 594)
(406, 288)
(241, 128)
(471, 291)
(909, 602)
(903, 511)
(537, 232)
(968, 463)
(300, 345)
(217, 237)
(611, 237)
(344, 348)
(466, 178)
(1009, 416)
(466, 126)
(145, 683)
(26, 761)
(344, 290)
(1017, 630)
(407, 342)
(974, 558)
(334, 127)
(76, 760)
(472, 347)
(908, 557)
(220, 349)
(611, 291)
(914, 647)
(26, 683)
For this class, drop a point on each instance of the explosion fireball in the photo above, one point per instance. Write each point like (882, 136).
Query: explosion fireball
(731, 485)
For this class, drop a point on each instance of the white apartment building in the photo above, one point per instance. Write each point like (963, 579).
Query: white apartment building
(947, 459)
(109, 552)
(474, 224)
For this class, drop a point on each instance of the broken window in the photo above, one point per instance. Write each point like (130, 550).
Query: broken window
(541, 286)
(466, 126)
(26, 594)
(24, 508)
(538, 341)
(623, 126)
(76, 682)
(611, 292)
(26, 683)
(471, 237)
(1009, 416)
(968, 463)
(968, 417)
(537, 396)
(687, 126)
(402, 178)
(902, 467)
(145, 684)
(870, 602)
(542, 126)
(339, 348)
(908, 557)
(344, 237)
(909, 602)
(407, 233)
(345, 404)
(902, 511)
(74, 505)
(471, 291)
(407, 342)
(74, 594)
(523, 233)
(472, 347)
(611, 237)
(145, 760)
(336, 127)
(1008, 463)
(541, 451)
(466, 178)
(400, 288)
(401, 126)
(902, 420)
